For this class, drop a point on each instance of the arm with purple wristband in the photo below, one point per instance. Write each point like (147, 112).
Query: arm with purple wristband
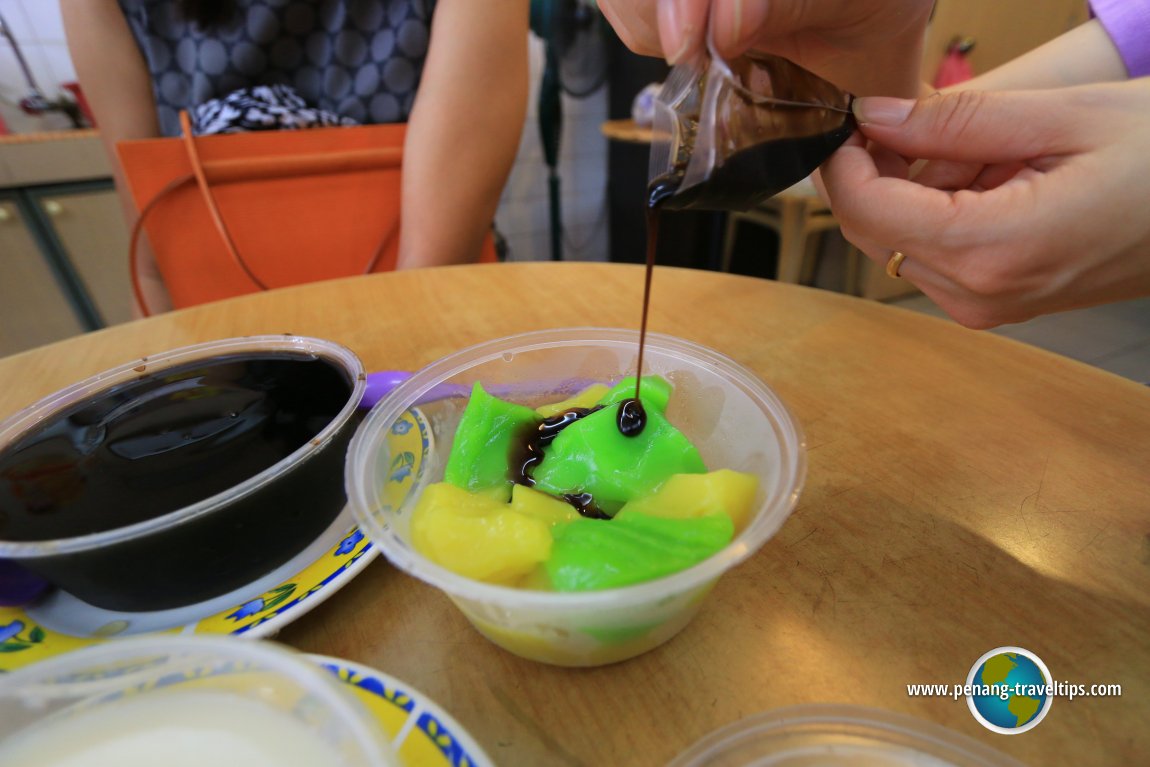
(1127, 22)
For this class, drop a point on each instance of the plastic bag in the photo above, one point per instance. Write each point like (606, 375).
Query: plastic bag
(728, 135)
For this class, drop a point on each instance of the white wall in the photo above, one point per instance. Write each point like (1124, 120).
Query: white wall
(38, 30)
(523, 215)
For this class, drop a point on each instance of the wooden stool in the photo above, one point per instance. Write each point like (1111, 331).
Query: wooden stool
(799, 216)
(794, 214)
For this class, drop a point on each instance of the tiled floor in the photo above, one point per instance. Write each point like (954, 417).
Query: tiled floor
(1115, 337)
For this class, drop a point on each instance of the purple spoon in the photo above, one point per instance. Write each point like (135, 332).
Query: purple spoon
(383, 382)
(18, 587)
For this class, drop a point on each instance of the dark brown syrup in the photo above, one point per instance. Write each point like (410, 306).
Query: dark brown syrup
(631, 417)
(751, 175)
(530, 453)
(164, 441)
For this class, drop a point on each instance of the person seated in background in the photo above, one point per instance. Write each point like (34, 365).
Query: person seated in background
(1017, 193)
(454, 70)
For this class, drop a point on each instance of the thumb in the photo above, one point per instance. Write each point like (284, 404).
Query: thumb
(968, 126)
(682, 27)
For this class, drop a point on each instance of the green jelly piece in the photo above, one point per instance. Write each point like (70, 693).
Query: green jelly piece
(591, 554)
(591, 456)
(488, 433)
(654, 393)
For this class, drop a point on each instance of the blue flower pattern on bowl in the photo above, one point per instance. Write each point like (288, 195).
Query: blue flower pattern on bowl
(11, 630)
(401, 466)
(348, 544)
(248, 609)
(18, 633)
(260, 609)
(454, 750)
(12, 637)
(271, 599)
(404, 462)
(444, 740)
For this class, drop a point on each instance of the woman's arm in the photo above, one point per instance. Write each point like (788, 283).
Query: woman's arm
(115, 81)
(464, 129)
(1085, 54)
(1031, 201)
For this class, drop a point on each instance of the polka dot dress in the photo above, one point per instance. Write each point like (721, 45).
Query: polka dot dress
(360, 59)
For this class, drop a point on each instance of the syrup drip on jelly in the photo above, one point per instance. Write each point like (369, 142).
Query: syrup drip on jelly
(531, 454)
(631, 417)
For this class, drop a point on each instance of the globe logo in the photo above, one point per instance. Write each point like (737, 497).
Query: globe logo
(1010, 690)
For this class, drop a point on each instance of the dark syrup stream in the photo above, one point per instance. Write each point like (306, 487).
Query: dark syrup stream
(750, 175)
(631, 418)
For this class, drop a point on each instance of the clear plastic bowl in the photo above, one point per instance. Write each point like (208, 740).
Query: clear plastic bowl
(220, 540)
(180, 701)
(734, 419)
(827, 734)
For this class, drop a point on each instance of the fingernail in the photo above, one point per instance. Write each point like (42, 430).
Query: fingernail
(677, 35)
(737, 20)
(881, 110)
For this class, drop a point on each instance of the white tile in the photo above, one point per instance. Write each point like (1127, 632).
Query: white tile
(536, 215)
(535, 60)
(528, 181)
(584, 206)
(44, 19)
(530, 145)
(530, 246)
(516, 244)
(39, 63)
(590, 173)
(593, 106)
(1133, 363)
(517, 217)
(1084, 334)
(18, 22)
(587, 243)
(13, 86)
(583, 166)
(60, 63)
(540, 212)
(18, 122)
(581, 128)
(511, 224)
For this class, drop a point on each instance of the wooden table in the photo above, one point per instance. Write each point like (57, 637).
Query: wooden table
(965, 492)
(626, 130)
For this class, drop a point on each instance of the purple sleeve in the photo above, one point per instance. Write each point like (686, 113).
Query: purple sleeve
(1128, 24)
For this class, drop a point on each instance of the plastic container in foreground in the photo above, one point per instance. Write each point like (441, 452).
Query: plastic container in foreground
(203, 467)
(731, 416)
(823, 734)
(184, 701)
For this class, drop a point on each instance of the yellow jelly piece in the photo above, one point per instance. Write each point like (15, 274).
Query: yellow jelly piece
(538, 505)
(697, 495)
(536, 580)
(587, 398)
(476, 536)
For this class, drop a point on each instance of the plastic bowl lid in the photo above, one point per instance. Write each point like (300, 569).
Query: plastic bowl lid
(362, 472)
(821, 735)
(20, 423)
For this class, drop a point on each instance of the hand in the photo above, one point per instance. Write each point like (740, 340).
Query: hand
(865, 46)
(1029, 202)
